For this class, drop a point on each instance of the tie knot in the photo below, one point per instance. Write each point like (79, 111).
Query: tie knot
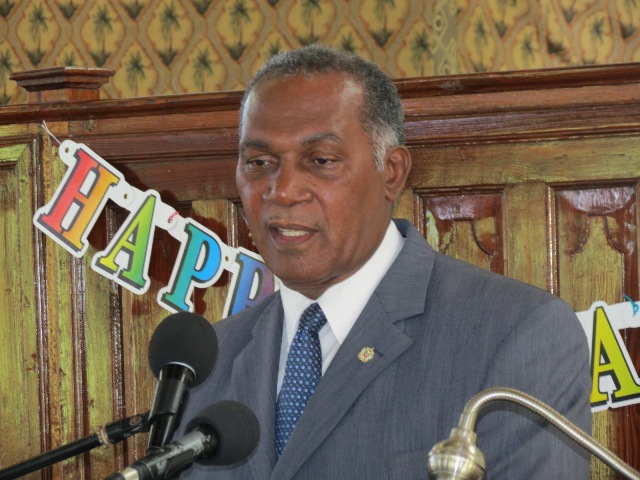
(312, 319)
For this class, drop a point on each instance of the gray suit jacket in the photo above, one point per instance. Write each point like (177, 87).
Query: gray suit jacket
(442, 331)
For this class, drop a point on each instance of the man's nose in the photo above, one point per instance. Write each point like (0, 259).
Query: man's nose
(287, 186)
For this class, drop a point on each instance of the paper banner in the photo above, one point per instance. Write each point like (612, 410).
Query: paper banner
(90, 182)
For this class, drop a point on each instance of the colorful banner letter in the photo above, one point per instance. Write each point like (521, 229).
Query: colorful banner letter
(126, 258)
(615, 382)
(70, 215)
(200, 263)
(252, 281)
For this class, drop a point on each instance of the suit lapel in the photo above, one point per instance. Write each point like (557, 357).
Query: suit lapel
(347, 376)
(255, 372)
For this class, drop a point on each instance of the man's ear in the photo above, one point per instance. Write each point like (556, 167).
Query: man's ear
(397, 164)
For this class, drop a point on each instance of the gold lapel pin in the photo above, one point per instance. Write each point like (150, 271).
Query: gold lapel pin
(366, 354)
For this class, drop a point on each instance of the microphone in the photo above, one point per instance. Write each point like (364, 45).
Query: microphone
(222, 434)
(182, 353)
(458, 457)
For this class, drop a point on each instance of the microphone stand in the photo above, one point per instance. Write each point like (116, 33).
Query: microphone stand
(109, 434)
(458, 457)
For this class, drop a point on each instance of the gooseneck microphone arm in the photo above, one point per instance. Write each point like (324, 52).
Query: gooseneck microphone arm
(459, 458)
(109, 434)
(222, 434)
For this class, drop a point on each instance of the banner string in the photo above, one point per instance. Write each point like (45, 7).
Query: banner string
(49, 132)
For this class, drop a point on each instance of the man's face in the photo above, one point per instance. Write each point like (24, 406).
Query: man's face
(316, 206)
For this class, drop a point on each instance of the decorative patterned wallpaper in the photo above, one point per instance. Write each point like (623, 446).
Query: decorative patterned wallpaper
(160, 47)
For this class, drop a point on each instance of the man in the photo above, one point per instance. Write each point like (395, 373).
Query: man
(410, 334)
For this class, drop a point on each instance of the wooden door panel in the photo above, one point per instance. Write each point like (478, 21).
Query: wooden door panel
(596, 242)
(21, 363)
(596, 239)
(466, 224)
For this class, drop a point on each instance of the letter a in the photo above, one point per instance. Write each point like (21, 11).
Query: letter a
(126, 258)
(609, 357)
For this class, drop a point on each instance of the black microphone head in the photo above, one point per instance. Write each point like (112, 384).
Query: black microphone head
(184, 338)
(236, 428)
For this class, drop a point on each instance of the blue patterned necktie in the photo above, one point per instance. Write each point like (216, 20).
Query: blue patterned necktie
(302, 373)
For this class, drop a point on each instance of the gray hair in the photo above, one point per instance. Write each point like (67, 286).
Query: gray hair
(381, 117)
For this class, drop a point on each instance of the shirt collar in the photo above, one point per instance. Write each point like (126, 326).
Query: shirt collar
(343, 302)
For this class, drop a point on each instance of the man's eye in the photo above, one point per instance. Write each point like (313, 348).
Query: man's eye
(322, 161)
(257, 162)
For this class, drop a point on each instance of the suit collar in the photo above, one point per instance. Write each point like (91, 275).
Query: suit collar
(403, 290)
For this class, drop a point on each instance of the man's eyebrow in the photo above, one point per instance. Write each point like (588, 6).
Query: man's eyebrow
(320, 137)
(257, 144)
(307, 141)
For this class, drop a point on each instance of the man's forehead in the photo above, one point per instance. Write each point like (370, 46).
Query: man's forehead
(344, 85)
(324, 83)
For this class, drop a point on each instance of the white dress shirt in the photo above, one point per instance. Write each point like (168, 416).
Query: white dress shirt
(341, 303)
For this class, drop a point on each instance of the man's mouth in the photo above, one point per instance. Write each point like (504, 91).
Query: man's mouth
(290, 232)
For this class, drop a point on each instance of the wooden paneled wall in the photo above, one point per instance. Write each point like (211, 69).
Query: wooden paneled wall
(532, 174)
